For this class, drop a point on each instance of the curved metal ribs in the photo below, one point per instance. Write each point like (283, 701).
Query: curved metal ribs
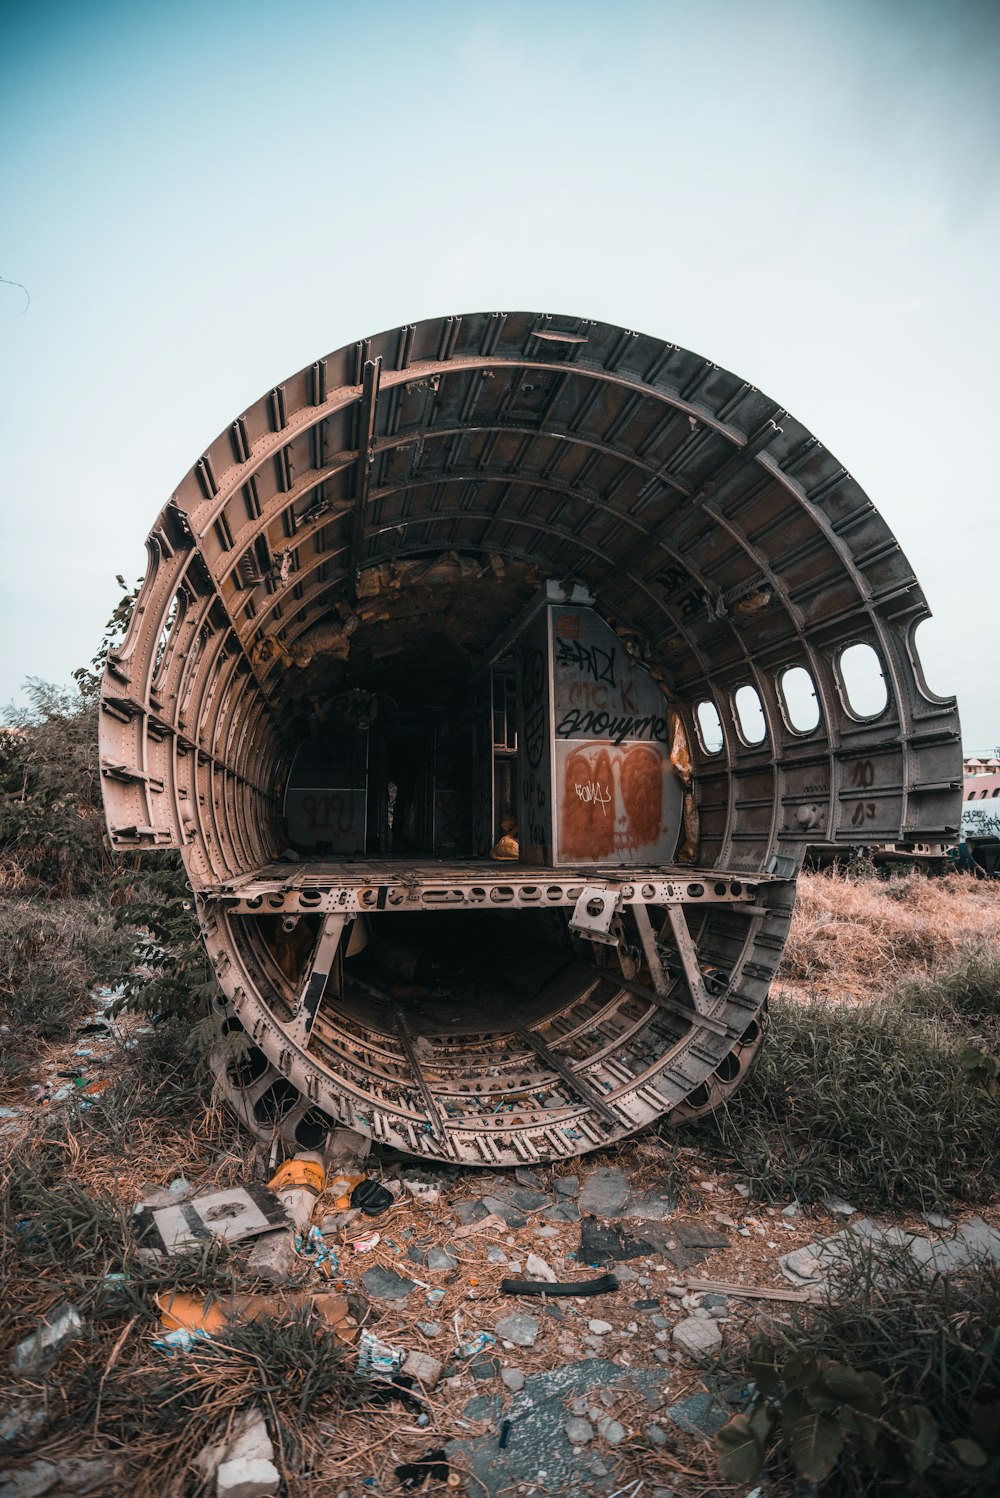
(371, 551)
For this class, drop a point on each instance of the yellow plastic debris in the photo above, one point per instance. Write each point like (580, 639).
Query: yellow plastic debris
(307, 1174)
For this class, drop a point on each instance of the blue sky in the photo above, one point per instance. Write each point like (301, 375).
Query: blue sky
(201, 198)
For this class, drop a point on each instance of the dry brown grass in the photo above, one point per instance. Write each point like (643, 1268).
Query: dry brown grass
(854, 938)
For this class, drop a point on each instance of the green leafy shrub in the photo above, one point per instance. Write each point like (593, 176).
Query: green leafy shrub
(171, 974)
(889, 1386)
(52, 834)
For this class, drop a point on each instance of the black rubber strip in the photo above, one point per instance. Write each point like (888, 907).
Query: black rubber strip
(600, 1286)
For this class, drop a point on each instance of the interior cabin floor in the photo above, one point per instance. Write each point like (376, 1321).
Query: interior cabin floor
(360, 873)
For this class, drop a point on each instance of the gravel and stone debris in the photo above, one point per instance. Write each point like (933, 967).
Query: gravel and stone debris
(385, 1284)
(605, 1193)
(520, 1329)
(698, 1336)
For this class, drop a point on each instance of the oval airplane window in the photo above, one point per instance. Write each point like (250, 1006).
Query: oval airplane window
(929, 652)
(709, 727)
(862, 679)
(798, 693)
(750, 715)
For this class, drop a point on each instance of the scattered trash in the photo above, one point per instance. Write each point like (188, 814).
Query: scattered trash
(434, 1297)
(297, 1183)
(43, 1347)
(601, 1286)
(366, 1242)
(185, 1311)
(180, 1340)
(540, 1269)
(341, 1188)
(378, 1359)
(301, 1171)
(240, 1212)
(473, 1346)
(489, 1221)
(432, 1467)
(322, 1255)
(204, 1315)
(372, 1197)
(423, 1191)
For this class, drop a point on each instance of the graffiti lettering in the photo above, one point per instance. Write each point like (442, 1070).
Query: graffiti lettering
(590, 659)
(864, 811)
(617, 729)
(593, 791)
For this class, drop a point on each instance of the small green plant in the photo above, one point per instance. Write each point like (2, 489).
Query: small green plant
(889, 1386)
(861, 864)
(171, 974)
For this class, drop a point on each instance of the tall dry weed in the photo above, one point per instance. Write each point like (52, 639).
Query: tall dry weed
(854, 938)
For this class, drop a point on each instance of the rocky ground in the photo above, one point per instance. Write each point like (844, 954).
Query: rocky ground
(619, 1392)
(616, 1392)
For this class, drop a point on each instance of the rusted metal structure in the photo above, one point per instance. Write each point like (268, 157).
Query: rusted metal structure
(492, 675)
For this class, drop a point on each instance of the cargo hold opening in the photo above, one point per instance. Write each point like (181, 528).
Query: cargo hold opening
(409, 729)
(462, 711)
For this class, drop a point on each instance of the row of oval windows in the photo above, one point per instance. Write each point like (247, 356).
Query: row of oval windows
(861, 679)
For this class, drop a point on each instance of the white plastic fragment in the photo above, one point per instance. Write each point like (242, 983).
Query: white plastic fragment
(44, 1346)
(539, 1269)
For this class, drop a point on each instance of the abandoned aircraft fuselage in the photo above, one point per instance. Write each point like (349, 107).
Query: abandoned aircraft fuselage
(492, 675)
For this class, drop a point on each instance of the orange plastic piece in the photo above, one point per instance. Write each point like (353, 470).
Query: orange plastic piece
(340, 1188)
(296, 1172)
(193, 1313)
(205, 1313)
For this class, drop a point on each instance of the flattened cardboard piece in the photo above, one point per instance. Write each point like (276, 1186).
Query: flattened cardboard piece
(239, 1212)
